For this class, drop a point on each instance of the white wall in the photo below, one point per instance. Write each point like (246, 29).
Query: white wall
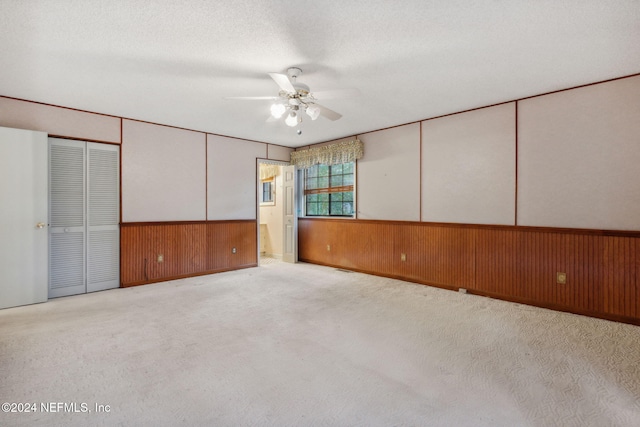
(388, 175)
(59, 121)
(468, 167)
(164, 169)
(579, 157)
(577, 161)
(163, 173)
(231, 181)
(276, 152)
(578, 153)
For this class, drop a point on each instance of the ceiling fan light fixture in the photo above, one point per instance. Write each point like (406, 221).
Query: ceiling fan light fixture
(294, 97)
(277, 110)
(292, 119)
(313, 111)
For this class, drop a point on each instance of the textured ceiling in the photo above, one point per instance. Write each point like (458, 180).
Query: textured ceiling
(172, 62)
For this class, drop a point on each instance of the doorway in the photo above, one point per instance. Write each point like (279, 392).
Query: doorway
(277, 222)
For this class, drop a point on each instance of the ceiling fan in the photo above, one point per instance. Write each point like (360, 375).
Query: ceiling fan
(295, 98)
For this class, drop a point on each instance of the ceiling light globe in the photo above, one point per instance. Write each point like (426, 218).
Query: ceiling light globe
(313, 111)
(277, 110)
(292, 119)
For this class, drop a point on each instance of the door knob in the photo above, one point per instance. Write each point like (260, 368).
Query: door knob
(40, 225)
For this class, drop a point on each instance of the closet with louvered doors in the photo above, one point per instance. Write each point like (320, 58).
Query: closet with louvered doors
(84, 212)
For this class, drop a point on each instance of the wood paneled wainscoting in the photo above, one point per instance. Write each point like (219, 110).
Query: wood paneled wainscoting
(187, 249)
(512, 263)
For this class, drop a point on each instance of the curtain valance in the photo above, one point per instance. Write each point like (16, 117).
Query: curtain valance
(268, 171)
(332, 154)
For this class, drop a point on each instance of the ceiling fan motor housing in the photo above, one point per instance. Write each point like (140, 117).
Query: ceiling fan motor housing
(294, 72)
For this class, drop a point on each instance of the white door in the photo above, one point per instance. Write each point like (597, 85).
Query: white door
(103, 217)
(290, 238)
(23, 217)
(67, 218)
(84, 232)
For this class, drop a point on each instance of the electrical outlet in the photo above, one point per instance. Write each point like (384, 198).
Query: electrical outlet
(328, 248)
(561, 278)
(160, 258)
(233, 250)
(403, 257)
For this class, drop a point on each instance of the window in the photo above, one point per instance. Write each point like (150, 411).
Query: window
(328, 190)
(268, 187)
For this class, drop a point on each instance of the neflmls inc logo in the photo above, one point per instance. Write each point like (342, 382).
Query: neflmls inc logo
(73, 407)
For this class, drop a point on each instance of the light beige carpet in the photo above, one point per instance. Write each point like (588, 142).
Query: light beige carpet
(304, 345)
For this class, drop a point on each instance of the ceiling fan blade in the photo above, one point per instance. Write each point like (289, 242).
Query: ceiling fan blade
(336, 94)
(327, 113)
(283, 81)
(252, 98)
(271, 119)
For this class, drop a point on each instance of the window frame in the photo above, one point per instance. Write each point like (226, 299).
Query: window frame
(272, 184)
(304, 192)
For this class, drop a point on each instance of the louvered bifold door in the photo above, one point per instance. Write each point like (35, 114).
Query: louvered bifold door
(66, 217)
(103, 214)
